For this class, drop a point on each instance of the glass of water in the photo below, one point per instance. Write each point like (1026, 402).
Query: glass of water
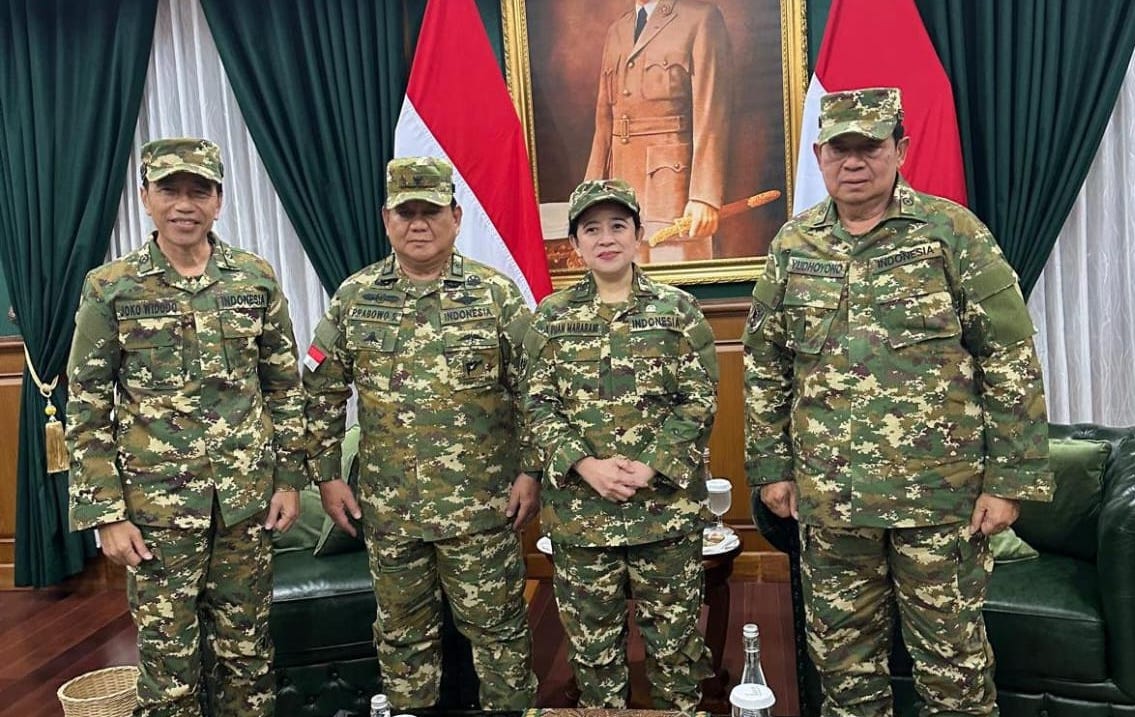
(720, 498)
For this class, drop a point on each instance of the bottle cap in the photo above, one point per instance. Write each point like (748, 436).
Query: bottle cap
(379, 701)
(751, 696)
(749, 630)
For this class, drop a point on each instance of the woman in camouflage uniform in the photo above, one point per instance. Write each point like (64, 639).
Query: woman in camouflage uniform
(621, 394)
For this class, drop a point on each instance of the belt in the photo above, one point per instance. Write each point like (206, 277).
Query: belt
(627, 127)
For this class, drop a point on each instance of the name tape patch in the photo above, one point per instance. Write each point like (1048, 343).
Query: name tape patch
(646, 323)
(146, 309)
(905, 256)
(253, 300)
(817, 267)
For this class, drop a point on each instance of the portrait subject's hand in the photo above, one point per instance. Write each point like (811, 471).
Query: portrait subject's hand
(991, 514)
(523, 500)
(781, 498)
(283, 510)
(608, 478)
(703, 218)
(122, 543)
(339, 503)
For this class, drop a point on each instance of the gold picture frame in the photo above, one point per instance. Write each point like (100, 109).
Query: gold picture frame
(522, 19)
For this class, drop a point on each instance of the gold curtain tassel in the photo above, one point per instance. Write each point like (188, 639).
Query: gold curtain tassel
(55, 444)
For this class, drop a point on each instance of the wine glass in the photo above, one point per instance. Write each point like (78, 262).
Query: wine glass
(720, 493)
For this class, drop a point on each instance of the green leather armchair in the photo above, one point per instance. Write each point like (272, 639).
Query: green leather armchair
(323, 611)
(1062, 625)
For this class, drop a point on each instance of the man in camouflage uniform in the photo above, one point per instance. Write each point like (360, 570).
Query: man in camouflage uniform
(185, 423)
(431, 340)
(895, 406)
(621, 394)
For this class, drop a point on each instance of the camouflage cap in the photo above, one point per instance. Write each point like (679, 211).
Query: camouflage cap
(872, 112)
(426, 178)
(163, 157)
(594, 191)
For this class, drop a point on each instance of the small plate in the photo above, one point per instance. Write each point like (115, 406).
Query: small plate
(730, 543)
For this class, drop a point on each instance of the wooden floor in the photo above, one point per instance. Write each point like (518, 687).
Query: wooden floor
(49, 636)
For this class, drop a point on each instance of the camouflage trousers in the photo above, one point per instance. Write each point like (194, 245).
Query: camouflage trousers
(936, 576)
(211, 586)
(483, 577)
(666, 580)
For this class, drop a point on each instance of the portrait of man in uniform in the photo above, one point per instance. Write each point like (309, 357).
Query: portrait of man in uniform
(684, 99)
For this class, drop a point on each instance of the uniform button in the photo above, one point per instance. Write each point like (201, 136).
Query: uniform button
(630, 64)
(334, 674)
(665, 63)
(626, 93)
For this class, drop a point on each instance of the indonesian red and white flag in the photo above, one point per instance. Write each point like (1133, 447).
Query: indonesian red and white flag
(883, 43)
(458, 107)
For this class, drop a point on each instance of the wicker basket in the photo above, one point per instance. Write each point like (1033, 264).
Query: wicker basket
(109, 692)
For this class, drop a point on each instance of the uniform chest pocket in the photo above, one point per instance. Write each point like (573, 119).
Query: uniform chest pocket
(472, 356)
(241, 330)
(654, 356)
(578, 369)
(153, 352)
(914, 304)
(665, 76)
(373, 347)
(810, 306)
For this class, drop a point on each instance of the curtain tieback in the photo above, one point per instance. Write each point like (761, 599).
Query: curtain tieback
(54, 444)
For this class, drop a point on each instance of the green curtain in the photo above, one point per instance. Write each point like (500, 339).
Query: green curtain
(320, 84)
(1035, 82)
(71, 79)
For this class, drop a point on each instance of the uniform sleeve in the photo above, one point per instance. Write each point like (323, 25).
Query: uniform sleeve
(283, 394)
(562, 445)
(96, 488)
(327, 377)
(515, 320)
(768, 383)
(675, 451)
(711, 107)
(597, 163)
(997, 331)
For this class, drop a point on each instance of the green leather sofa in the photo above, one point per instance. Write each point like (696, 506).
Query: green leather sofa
(1062, 625)
(323, 610)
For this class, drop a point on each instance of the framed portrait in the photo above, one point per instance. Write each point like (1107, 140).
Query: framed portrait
(696, 103)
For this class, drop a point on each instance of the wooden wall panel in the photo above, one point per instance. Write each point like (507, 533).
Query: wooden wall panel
(758, 560)
(11, 372)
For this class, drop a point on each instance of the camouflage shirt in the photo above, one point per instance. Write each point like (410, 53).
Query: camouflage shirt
(436, 366)
(637, 379)
(893, 375)
(182, 390)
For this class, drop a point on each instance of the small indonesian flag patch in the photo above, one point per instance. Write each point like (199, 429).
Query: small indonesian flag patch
(314, 357)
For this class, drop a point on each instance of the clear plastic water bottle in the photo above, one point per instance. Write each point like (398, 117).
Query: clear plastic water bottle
(753, 674)
(379, 706)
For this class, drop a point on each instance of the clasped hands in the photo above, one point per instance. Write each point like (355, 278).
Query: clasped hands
(617, 478)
